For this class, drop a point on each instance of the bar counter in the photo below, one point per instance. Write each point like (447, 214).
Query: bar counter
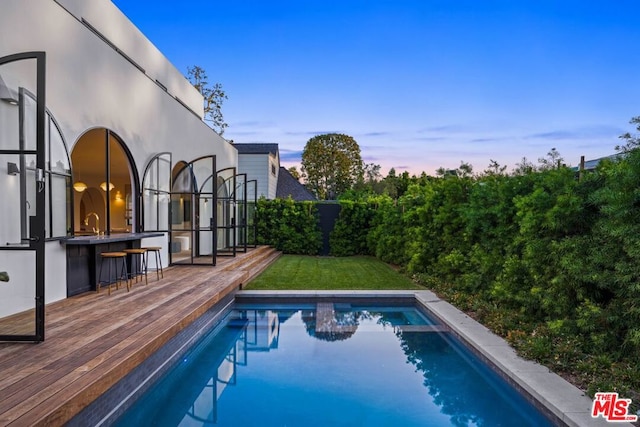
(83, 257)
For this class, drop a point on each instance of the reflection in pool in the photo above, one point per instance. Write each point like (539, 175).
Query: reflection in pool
(331, 365)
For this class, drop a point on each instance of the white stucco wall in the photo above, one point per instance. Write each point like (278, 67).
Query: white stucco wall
(105, 17)
(91, 85)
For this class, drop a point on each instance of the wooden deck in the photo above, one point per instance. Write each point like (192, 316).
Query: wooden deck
(93, 340)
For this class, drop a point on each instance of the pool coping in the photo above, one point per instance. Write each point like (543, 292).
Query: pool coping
(553, 393)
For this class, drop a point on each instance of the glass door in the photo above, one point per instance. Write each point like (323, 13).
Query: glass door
(192, 213)
(22, 185)
(226, 212)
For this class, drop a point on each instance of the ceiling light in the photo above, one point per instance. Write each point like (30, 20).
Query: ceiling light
(79, 186)
(104, 186)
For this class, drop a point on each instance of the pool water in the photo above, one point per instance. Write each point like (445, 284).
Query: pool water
(331, 365)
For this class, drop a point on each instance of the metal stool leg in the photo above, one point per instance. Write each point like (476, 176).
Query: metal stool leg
(138, 264)
(158, 258)
(120, 271)
(124, 273)
(159, 254)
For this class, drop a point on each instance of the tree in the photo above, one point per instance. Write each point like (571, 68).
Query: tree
(632, 141)
(552, 161)
(372, 173)
(294, 172)
(494, 169)
(370, 182)
(213, 98)
(331, 164)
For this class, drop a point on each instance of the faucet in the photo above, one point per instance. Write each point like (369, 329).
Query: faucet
(96, 229)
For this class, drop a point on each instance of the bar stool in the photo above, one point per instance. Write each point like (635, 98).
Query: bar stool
(156, 250)
(138, 263)
(112, 258)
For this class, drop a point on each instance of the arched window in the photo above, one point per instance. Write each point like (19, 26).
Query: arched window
(105, 185)
(57, 173)
(58, 191)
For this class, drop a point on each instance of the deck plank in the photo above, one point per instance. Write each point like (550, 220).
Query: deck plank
(94, 340)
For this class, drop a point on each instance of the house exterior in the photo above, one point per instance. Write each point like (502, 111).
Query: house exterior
(289, 186)
(261, 162)
(102, 144)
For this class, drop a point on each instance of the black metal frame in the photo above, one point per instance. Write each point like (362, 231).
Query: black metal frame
(50, 122)
(135, 181)
(37, 222)
(241, 224)
(156, 190)
(194, 195)
(229, 225)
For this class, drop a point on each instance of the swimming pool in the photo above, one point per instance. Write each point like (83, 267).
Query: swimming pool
(330, 364)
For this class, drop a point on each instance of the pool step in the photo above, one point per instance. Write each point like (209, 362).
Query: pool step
(326, 322)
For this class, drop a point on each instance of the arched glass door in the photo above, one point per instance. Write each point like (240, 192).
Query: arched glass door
(22, 185)
(156, 193)
(226, 212)
(233, 212)
(192, 213)
(242, 210)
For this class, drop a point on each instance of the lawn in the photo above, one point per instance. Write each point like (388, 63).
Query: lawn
(297, 272)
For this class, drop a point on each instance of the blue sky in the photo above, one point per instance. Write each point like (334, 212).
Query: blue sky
(419, 84)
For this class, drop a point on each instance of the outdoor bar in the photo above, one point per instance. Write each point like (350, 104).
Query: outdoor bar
(84, 260)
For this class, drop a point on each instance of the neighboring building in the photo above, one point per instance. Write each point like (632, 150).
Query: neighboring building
(261, 162)
(100, 133)
(289, 186)
(592, 164)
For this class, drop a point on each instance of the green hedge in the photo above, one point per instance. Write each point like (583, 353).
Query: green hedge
(550, 261)
(291, 227)
(349, 235)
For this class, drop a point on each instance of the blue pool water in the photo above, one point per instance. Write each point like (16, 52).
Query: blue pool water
(331, 365)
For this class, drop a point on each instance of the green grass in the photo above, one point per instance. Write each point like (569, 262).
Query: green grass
(296, 272)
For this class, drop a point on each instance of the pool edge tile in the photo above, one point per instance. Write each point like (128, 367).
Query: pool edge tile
(561, 398)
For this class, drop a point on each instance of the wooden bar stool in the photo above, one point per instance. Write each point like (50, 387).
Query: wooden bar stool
(138, 263)
(156, 250)
(112, 259)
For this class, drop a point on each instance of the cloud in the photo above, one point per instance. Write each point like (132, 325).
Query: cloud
(312, 133)
(609, 145)
(446, 128)
(244, 133)
(290, 155)
(451, 153)
(587, 132)
(374, 134)
(370, 159)
(252, 124)
(430, 138)
(554, 135)
(374, 147)
(487, 139)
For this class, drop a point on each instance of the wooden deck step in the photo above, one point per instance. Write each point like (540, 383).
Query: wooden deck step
(257, 253)
(257, 268)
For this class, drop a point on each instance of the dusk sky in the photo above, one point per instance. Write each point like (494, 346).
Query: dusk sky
(419, 84)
